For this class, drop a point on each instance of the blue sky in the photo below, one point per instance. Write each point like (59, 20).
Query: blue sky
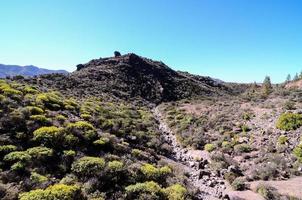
(233, 40)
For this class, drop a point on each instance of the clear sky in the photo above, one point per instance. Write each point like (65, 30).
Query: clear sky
(233, 40)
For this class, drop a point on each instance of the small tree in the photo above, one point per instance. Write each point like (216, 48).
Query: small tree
(267, 86)
(288, 78)
(296, 77)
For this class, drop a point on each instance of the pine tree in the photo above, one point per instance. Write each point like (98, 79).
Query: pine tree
(296, 77)
(288, 78)
(267, 86)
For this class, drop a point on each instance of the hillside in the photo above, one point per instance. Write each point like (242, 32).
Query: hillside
(131, 77)
(128, 127)
(30, 70)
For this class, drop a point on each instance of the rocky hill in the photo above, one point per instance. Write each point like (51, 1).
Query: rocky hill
(131, 76)
(29, 70)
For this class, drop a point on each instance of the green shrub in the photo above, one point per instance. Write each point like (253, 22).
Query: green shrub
(175, 192)
(37, 178)
(34, 110)
(86, 116)
(245, 128)
(115, 166)
(242, 148)
(18, 166)
(246, 116)
(146, 190)
(69, 153)
(266, 191)
(71, 104)
(40, 119)
(238, 184)
(282, 139)
(4, 149)
(30, 90)
(152, 173)
(54, 192)
(87, 166)
(40, 152)
(50, 100)
(61, 118)
(17, 156)
(82, 128)
(289, 121)
(136, 152)
(102, 141)
(298, 152)
(209, 147)
(48, 135)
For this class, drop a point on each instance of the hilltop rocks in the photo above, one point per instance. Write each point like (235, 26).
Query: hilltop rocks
(133, 77)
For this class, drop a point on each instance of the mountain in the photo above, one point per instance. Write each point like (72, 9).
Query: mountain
(30, 70)
(131, 76)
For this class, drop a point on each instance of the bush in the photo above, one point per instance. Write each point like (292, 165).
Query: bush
(298, 152)
(34, 110)
(102, 141)
(50, 100)
(209, 147)
(40, 119)
(152, 173)
(17, 156)
(238, 184)
(175, 192)
(48, 135)
(282, 139)
(82, 129)
(37, 178)
(115, 166)
(40, 153)
(87, 166)
(267, 192)
(242, 148)
(4, 149)
(54, 192)
(289, 121)
(146, 190)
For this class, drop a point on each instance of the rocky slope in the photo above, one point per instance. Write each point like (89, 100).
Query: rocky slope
(134, 77)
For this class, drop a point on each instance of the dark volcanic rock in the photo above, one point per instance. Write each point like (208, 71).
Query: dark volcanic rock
(133, 77)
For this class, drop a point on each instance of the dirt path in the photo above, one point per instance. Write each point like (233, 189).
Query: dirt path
(210, 186)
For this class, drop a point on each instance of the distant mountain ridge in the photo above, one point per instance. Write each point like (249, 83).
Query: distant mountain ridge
(29, 70)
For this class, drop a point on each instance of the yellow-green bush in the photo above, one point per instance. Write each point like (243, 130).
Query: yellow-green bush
(242, 148)
(176, 192)
(289, 121)
(34, 110)
(87, 166)
(282, 139)
(102, 141)
(16, 156)
(115, 165)
(37, 178)
(4, 149)
(40, 152)
(71, 104)
(209, 147)
(50, 100)
(298, 152)
(150, 172)
(54, 192)
(85, 129)
(150, 189)
(48, 134)
(40, 119)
